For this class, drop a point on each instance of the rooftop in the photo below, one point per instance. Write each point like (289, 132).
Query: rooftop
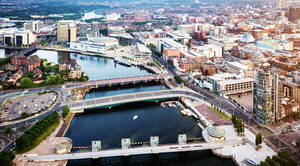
(216, 132)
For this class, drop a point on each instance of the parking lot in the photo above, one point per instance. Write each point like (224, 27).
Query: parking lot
(245, 100)
(27, 105)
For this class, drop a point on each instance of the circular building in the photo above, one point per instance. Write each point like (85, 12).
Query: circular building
(247, 38)
(216, 133)
(108, 42)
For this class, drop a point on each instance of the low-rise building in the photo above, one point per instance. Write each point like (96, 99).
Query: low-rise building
(207, 51)
(276, 44)
(33, 62)
(227, 83)
(76, 72)
(96, 45)
(34, 25)
(170, 53)
(142, 50)
(37, 73)
(15, 77)
(19, 38)
(179, 36)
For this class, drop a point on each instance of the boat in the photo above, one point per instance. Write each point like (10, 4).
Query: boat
(172, 105)
(169, 104)
(183, 112)
(121, 62)
(135, 117)
(251, 162)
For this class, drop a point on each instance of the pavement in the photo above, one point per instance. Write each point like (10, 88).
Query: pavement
(244, 151)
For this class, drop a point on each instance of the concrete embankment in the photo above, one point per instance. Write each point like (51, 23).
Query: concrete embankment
(203, 121)
(65, 126)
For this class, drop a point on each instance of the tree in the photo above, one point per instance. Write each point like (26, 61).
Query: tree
(178, 79)
(24, 115)
(29, 74)
(48, 68)
(233, 119)
(264, 163)
(6, 158)
(21, 127)
(8, 130)
(26, 82)
(66, 111)
(282, 158)
(258, 139)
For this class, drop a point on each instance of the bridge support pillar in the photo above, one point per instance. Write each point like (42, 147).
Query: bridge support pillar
(155, 156)
(154, 141)
(125, 142)
(95, 161)
(182, 139)
(96, 146)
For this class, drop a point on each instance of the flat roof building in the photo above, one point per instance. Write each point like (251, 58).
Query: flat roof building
(66, 31)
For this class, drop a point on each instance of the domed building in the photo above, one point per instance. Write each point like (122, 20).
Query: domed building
(215, 133)
(247, 38)
(108, 42)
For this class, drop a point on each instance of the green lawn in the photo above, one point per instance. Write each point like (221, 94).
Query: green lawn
(221, 114)
(42, 137)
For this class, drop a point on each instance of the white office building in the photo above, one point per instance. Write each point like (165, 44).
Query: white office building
(96, 45)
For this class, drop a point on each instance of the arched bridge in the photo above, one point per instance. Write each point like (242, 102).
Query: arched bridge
(129, 98)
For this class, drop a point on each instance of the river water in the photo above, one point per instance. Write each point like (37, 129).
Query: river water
(95, 68)
(110, 125)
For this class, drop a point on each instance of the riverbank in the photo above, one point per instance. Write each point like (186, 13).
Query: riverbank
(65, 126)
(241, 152)
(153, 69)
(48, 146)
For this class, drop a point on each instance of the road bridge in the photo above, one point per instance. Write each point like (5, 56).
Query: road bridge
(117, 81)
(129, 98)
(133, 151)
(26, 51)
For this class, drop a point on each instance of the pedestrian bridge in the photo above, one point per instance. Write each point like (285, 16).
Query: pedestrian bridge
(129, 98)
(133, 151)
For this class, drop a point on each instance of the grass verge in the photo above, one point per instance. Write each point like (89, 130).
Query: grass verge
(221, 114)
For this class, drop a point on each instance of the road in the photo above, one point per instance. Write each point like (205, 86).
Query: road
(234, 109)
(34, 119)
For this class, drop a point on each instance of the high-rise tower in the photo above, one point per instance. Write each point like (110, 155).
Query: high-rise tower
(265, 96)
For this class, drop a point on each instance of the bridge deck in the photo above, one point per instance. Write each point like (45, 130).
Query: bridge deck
(133, 151)
(117, 81)
(127, 98)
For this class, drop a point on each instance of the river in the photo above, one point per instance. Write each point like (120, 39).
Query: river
(96, 68)
(110, 125)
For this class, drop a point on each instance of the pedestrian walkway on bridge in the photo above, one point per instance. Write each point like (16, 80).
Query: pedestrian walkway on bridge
(126, 150)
